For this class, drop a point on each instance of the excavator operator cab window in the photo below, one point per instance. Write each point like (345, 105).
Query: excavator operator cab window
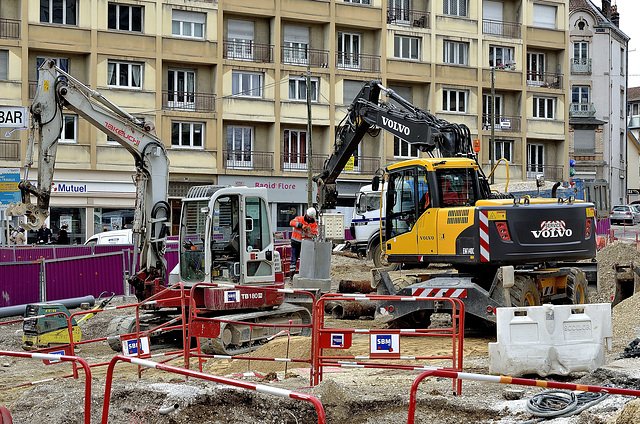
(457, 187)
(401, 202)
(225, 238)
(192, 235)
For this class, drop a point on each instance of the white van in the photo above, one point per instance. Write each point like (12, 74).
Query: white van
(111, 237)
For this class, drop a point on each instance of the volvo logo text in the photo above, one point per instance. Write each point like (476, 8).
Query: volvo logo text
(396, 126)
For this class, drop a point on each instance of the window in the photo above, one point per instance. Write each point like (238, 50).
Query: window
(246, 84)
(622, 61)
(181, 88)
(456, 53)
(69, 129)
(535, 67)
(634, 109)
(239, 147)
(535, 159)
(580, 52)
(125, 18)
(295, 149)
(500, 56)
(61, 62)
(406, 47)
(240, 39)
(543, 107)
(454, 101)
(455, 7)
(402, 149)
(187, 134)
(399, 11)
(298, 88)
(544, 16)
(350, 89)
(59, 12)
(584, 140)
(296, 45)
(486, 111)
(188, 24)
(4, 64)
(358, 1)
(124, 74)
(348, 50)
(503, 149)
(580, 94)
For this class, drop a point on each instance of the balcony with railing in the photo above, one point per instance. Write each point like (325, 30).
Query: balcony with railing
(408, 17)
(582, 110)
(581, 66)
(501, 28)
(189, 101)
(550, 172)
(10, 28)
(248, 160)
(298, 161)
(358, 61)
(248, 50)
(544, 79)
(503, 123)
(303, 57)
(362, 165)
(10, 150)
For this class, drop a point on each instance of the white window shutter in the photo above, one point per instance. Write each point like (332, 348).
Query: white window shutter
(239, 30)
(544, 16)
(296, 34)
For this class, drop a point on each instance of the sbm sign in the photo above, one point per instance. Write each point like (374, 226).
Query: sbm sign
(14, 117)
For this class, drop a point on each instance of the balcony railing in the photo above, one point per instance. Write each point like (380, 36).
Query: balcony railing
(191, 101)
(358, 62)
(550, 172)
(304, 57)
(9, 28)
(581, 66)
(503, 123)
(582, 110)
(408, 17)
(363, 165)
(501, 28)
(10, 150)
(248, 50)
(248, 159)
(298, 162)
(544, 79)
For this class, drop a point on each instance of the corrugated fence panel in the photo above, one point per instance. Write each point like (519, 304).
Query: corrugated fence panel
(108, 248)
(85, 276)
(20, 283)
(6, 254)
(34, 253)
(71, 251)
(172, 260)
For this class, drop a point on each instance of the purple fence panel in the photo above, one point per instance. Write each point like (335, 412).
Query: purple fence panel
(6, 254)
(71, 251)
(34, 254)
(84, 276)
(172, 260)
(108, 248)
(603, 226)
(20, 283)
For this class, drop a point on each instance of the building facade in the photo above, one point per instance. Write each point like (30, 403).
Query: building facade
(633, 144)
(597, 113)
(225, 82)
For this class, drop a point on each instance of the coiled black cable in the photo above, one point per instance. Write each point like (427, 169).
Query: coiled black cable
(561, 403)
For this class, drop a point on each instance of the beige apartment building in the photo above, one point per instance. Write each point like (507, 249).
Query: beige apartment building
(225, 83)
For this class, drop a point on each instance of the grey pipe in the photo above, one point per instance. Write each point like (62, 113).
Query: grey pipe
(73, 302)
(167, 409)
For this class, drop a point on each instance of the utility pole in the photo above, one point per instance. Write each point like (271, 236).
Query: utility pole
(309, 144)
(492, 117)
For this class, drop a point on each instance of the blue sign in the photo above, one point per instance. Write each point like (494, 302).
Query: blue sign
(132, 346)
(337, 340)
(9, 191)
(383, 342)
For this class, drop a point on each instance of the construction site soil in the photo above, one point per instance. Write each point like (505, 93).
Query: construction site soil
(33, 394)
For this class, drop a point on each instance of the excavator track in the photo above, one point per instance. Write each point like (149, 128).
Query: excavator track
(237, 339)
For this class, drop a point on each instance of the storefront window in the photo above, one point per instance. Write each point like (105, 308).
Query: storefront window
(74, 218)
(105, 219)
(285, 212)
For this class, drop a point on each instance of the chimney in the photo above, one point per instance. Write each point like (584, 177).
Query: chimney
(606, 9)
(615, 16)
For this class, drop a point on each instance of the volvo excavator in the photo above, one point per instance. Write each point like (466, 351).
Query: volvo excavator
(503, 250)
(225, 232)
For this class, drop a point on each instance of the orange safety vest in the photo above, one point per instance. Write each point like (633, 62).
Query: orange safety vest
(298, 234)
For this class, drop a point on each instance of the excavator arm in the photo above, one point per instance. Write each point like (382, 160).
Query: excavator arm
(58, 89)
(367, 114)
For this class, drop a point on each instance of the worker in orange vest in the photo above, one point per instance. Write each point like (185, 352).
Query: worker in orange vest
(304, 227)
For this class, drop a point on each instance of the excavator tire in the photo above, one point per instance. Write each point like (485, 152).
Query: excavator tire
(524, 292)
(120, 325)
(379, 261)
(577, 291)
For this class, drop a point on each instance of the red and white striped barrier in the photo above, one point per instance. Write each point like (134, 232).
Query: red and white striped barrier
(221, 380)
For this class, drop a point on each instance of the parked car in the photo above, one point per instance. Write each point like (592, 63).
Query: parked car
(624, 214)
(111, 237)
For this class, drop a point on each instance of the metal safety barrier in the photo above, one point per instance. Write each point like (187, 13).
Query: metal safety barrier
(221, 380)
(502, 379)
(65, 358)
(384, 344)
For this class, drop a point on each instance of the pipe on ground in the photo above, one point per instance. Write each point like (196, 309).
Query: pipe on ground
(73, 302)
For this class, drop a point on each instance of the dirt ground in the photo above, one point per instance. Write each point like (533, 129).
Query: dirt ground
(34, 392)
